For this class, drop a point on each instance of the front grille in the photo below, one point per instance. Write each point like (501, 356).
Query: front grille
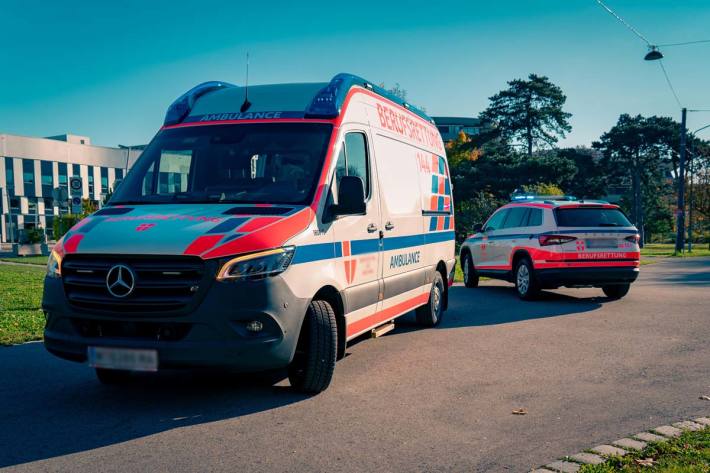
(154, 331)
(162, 284)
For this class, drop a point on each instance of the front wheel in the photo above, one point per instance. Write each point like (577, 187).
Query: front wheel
(617, 291)
(470, 275)
(430, 314)
(314, 362)
(525, 281)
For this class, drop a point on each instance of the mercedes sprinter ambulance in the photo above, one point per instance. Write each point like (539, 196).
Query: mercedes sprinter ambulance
(261, 228)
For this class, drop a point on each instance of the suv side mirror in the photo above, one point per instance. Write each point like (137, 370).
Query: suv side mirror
(351, 197)
(478, 228)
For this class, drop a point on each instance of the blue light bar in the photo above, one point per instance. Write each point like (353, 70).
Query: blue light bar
(328, 102)
(528, 197)
(181, 107)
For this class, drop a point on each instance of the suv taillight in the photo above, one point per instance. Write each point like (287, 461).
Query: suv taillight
(633, 238)
(547, 240)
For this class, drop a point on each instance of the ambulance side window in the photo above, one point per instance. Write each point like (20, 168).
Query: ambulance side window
(353, 160)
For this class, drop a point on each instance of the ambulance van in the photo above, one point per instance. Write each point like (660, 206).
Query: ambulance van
(261, 228)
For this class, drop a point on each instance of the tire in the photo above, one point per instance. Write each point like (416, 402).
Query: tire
(112, 377)
(470, 275)
(526, 284)
(314, 362)
(430, 314)
(617, 291)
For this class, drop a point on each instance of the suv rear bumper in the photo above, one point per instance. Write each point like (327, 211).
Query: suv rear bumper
(212, 335)
(557, 277)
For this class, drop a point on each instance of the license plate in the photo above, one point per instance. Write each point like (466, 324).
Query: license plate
(603, 243)
(123, 359)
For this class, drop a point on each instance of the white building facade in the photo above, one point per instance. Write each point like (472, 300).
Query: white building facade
(32, 168)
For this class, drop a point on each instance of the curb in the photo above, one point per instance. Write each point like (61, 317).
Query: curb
(634, 443)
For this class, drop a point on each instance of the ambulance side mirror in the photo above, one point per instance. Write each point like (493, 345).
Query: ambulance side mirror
(478, 228)
(351, 197)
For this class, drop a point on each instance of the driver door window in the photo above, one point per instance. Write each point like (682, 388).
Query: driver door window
(496, 221)
(353, 161)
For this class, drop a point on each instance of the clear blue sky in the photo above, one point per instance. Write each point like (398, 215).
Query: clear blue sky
(109, 69)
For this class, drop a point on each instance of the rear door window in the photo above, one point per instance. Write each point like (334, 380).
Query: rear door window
(535, 218)
(517, 217)
(591, 217)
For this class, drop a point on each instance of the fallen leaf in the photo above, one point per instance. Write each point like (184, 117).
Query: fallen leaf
(645, 461)
(705, 398)
(520, 412)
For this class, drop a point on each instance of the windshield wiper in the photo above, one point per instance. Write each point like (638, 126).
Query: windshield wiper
(610, 225)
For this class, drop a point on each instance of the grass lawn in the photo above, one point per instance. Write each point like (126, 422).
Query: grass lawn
(21, 319)
(26, 259)
(654, 250)
(689, 453)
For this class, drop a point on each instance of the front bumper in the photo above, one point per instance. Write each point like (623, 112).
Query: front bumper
(575, 277)
(212, 335)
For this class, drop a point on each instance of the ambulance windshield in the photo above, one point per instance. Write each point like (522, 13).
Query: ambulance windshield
(249, 163)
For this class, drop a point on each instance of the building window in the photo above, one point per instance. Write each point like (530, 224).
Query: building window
(9, 177)
(32, 205)
(47, 179)
(91, 181)
(76, 170)
(443, 129)
(28, 177)
(15, 205)
(63, 176)
(104, 181)
(119, 173)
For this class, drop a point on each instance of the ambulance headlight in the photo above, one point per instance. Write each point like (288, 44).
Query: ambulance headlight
(54, 265)
(256, 265)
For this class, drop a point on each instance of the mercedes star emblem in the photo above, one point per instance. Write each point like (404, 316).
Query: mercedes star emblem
(120, 280)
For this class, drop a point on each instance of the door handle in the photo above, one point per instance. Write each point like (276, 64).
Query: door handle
(371, 228)
(389, 226)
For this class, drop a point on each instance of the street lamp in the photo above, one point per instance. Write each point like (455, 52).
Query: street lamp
(653, 54)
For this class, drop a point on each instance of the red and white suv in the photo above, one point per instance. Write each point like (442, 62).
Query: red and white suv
(546, 244)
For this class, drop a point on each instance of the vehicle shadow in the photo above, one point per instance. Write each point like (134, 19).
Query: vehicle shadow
(492, 305)
(51, 407)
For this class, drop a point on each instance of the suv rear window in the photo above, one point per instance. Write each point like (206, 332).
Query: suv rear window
(591, 217)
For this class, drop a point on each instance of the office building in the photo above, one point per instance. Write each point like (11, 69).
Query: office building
(31, 169)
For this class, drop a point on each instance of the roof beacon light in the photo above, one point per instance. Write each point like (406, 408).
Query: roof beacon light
(519, 197)
(181, 107)
(326, 103)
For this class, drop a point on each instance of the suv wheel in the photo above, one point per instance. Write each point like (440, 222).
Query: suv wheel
(617, 291)
(525, 281)
(314, 362)
(470, 275)
(429, 315)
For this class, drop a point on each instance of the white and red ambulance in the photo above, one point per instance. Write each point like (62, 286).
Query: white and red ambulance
(260, 228)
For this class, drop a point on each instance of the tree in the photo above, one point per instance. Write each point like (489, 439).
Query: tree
(639, 150)
(542, 189)
(530, 111)
(589, 181)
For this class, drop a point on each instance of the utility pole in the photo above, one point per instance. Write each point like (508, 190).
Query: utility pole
(691, 168)
(680, 235)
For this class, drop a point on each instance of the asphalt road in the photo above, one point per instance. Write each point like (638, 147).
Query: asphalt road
(587, 370)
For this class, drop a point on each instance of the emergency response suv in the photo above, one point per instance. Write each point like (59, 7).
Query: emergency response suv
(260, 229)
(547, 242)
